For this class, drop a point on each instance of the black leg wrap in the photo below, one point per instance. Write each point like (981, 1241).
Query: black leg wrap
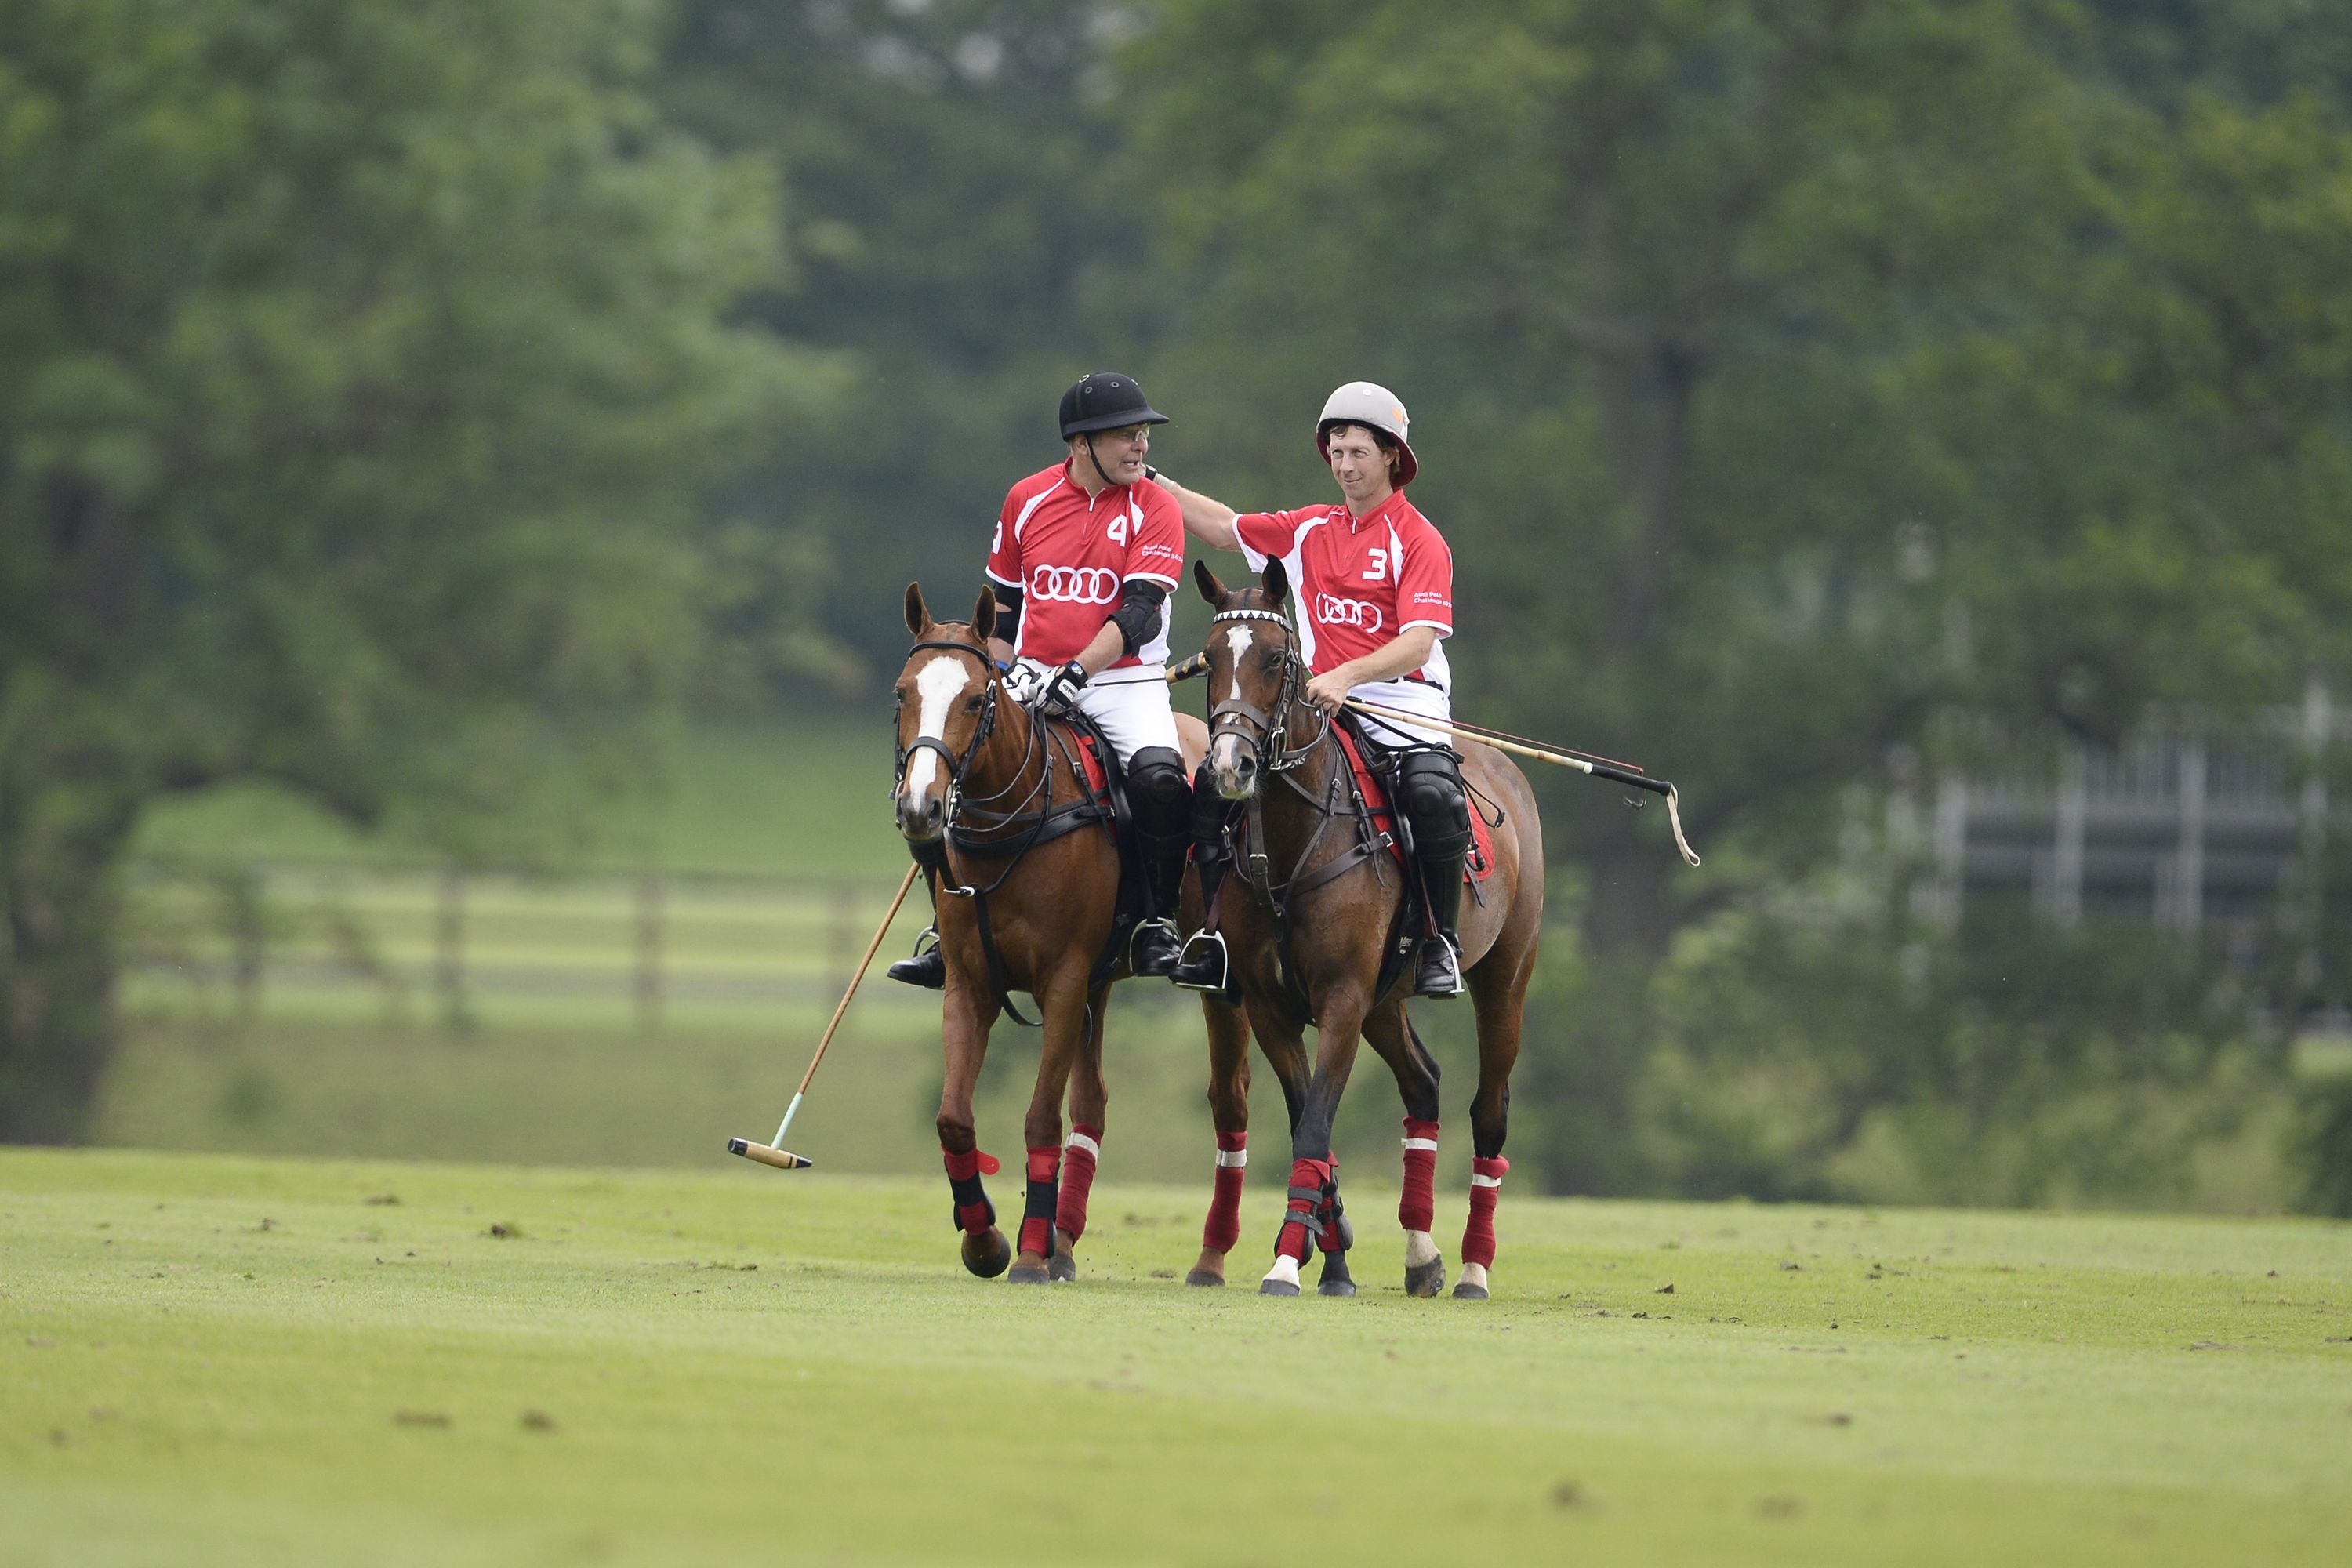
(969, 1194)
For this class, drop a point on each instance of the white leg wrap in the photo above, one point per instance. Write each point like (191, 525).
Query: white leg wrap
(1419, 1250)
(1285, 1270)
(1233, 1159)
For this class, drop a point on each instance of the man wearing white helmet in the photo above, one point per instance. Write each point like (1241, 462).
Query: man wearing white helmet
(1375, 586)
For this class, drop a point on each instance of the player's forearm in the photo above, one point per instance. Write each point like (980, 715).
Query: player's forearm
(1209, 521)
(1107, 647)
(1401, 655)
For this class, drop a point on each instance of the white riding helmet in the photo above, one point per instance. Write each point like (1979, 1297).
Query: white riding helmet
(1375, 406)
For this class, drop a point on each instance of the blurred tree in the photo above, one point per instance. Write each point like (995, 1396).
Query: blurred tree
(1788, 376)
(365, 359)
(962, 232)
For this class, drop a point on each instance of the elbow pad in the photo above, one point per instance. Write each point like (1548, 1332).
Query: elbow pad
(1139, 613)
(1008, 612)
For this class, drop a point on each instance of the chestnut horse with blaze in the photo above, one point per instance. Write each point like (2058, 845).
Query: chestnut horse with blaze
(1029, 902)
(1307, 914)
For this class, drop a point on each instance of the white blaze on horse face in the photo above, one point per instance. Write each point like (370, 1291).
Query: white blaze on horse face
(1238, 640)
(937, 684)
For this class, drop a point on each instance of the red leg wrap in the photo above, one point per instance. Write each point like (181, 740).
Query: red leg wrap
(1077, 1180)
(1478, 1239)
(1308, 1180)
(971, 1208)
(1417, 1209)
(1224, 1226)
(1037, 1220)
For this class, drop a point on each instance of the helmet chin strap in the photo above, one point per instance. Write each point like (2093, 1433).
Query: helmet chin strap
(1096, 458)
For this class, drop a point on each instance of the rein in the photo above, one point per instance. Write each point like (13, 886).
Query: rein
(1280, 757)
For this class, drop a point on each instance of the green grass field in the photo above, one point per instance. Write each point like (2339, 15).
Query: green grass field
(227, 1360)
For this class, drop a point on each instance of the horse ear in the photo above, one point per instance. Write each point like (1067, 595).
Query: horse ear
(918, 614)
(1275, 580)
(1206, 580)
(984, 614)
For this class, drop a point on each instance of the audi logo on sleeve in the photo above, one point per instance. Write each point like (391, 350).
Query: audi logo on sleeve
(1074, 585)
(1360, 614)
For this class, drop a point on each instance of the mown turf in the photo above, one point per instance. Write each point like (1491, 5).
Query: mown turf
(237, 1361)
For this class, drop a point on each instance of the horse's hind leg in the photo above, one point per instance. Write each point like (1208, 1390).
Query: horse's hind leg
(1229, 1082)
(1391, 1034)
(1089, 1104)
(964, 1025)
(1500, 993)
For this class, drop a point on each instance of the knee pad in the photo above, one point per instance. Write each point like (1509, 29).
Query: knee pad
(1157, 775)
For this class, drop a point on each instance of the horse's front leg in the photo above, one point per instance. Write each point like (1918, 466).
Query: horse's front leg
(1065, 1020)
(1229, 1082)
(1314, 1216)
(1089, 1105)
(965, 1020)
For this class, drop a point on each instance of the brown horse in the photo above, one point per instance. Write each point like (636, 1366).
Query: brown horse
(997, 798)
(1308, 916)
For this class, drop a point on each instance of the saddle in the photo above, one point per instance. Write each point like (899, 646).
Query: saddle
(1372, 785)
(1103, 801)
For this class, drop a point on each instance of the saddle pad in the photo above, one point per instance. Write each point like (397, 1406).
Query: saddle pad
(1477, 867)
(1097, 776)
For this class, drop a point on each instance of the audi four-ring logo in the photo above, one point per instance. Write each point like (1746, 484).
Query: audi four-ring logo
(1337, 612)
(1074, 585)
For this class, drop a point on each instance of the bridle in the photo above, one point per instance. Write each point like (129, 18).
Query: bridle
(1268, 735)
(956, 765)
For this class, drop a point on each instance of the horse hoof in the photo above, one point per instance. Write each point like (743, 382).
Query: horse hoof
(1465, 1292)
(986, 1253)
(1277, 1288)
(1028, 1274)
(1062, 1268)
(1203, 1277)
(1336, 1287)
(1428, 1279)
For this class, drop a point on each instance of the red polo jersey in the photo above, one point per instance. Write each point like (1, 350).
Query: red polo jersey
(1359, 580)
(1072, 555)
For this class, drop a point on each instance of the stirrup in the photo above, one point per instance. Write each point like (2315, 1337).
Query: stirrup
(1452, 968)
(1212, 943)
(1160, 923)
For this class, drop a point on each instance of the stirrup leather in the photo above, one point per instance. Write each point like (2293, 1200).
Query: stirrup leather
(1209, 942)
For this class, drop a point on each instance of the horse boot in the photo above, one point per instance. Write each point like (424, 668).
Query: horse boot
(1162, 802)
(1434, 797)
(1204, 966)
(926, 966)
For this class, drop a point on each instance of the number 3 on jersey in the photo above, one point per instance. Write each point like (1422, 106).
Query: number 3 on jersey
(1379, 569)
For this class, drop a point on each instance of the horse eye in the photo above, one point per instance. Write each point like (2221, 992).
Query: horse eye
(972, 704)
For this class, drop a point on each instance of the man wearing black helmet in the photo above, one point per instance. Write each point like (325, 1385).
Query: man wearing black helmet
(1084, 555)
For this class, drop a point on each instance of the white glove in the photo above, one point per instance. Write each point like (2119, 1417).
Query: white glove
(1024, 680)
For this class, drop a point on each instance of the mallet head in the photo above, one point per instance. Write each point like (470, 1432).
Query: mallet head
(782, 1159)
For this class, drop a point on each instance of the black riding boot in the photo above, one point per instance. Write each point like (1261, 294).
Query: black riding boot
(1162, 802)
(926, 966)
(1431, 785)
(1203, 966)
(1441, 955)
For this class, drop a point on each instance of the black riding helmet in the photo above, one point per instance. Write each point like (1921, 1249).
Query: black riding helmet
(1105, 400)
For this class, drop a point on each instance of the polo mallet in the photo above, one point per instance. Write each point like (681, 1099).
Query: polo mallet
(1599, 769)
(775, 1153)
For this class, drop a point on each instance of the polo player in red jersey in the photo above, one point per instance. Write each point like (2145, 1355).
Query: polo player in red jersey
(1084, 555)
(1375, 586)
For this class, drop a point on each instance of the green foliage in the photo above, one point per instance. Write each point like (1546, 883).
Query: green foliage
(365, 360)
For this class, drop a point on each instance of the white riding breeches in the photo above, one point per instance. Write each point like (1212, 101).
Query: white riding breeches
(1131, 708)
(1416, 697)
